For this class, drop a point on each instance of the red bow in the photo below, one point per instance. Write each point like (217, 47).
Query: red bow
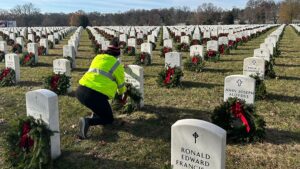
(143, 57)
(4, 73)
(26, 142)
(221, 49)
(238, 112)
(211, 53)
(169, 74)
(195, 60)
(231, 43)
(54, 82)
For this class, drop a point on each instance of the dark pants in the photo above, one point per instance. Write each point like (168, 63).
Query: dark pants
(98, 103)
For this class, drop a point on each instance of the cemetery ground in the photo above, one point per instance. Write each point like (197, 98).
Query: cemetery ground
(143, 139)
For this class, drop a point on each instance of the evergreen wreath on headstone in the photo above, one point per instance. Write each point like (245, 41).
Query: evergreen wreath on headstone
(239, 120)
(7, 77)
(195, 64)
(58, 83)
(170, 77)
(27, 59)
(28, 144)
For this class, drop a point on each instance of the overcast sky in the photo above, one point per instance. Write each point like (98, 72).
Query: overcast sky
(112, 6)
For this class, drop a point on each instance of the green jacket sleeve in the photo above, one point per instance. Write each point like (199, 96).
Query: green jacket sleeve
(119, 74)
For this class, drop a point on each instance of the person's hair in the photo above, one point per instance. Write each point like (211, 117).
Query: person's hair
(113, 48)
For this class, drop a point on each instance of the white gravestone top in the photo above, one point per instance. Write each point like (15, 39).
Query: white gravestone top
(212, 45)
(223, 40)
(262, 53)
(197, 144)
(197, 50)
(254, 66)
(12, 61)
(173, 59)
(69, 51)
(33, 48)
(132, 42)
(185, 39)
(240, 86)
(168, 43)
(3, 46)
(268, 46)
(43, 104)
(62, 66)
(44, 42)
(134, 75)
(147, 48)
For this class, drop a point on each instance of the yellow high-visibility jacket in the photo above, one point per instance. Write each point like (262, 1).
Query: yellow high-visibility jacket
(105, 75)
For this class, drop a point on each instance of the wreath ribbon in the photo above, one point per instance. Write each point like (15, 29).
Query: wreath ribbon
(26, 142)
(238, 112)
(169, 74)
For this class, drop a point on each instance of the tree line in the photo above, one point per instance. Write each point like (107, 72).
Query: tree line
(255, 12)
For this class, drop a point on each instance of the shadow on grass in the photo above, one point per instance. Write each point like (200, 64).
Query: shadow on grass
(282, 98)
(80, 69)
(213, 70)
(287, 65)
(288, 78)
(231, 60)
(276, 136)
(91, 159)
(42, 64)
(191, 84)
(30, 83)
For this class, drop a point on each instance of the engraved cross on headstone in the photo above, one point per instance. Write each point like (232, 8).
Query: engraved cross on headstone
(195, 135)
(239, 82)
(254, 62)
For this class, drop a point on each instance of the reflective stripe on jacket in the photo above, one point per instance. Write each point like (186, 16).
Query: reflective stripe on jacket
(105, 75)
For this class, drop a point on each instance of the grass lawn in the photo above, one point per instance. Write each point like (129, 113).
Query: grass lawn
(144, 139)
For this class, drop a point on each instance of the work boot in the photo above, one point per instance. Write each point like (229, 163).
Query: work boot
(83, 127)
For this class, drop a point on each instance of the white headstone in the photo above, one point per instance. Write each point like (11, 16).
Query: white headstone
(223, 40)
(3, 46)
(44, 42)
(134, 75)
(185, 39)
(197, 144)
(51, 38)
(31, 37)
(62, 66)
(197, 50)
(213, 45)
(69, 51)
(104, 45)
(132, 42)
(240, 86)
(20, 41)
(12, 61)
(33, 48)
(43, 104)
(268, 46)
(147, 48)
(253, 66)
(262, 53)
(173, 59)
(123, 38)
(168, 43)
(12, 36)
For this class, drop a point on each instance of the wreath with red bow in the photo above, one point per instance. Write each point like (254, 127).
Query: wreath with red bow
(129, 51)
(27, 59)
(10, 42)
(232, 44)
(42, 50)
(17, 48)
(260, 88)
(165, 50)
(2, 56)
(139, 41)
(124, 105)
(195, 42)
(170, 77)
(183, 47)
(212, 55)
(143, 58)
(7, 77)
(239, 120)
(58, 83)
(224, 49)
(195, 64)
(122, 44)
(28, 144)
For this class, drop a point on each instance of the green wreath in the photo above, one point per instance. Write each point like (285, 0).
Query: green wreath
(143, 58)
(170, 77)
(50, 44)
(130, 106)
(58, 83)
(17, 48)
(28, 144)
(70, 59)
(7, 77)
(27, 59)
(239, 120)
(183, 47)
(269, 72)
(260, 88)
(195, 64)
(129, 51)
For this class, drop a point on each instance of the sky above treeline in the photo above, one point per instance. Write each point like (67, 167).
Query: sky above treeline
(115, 6)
